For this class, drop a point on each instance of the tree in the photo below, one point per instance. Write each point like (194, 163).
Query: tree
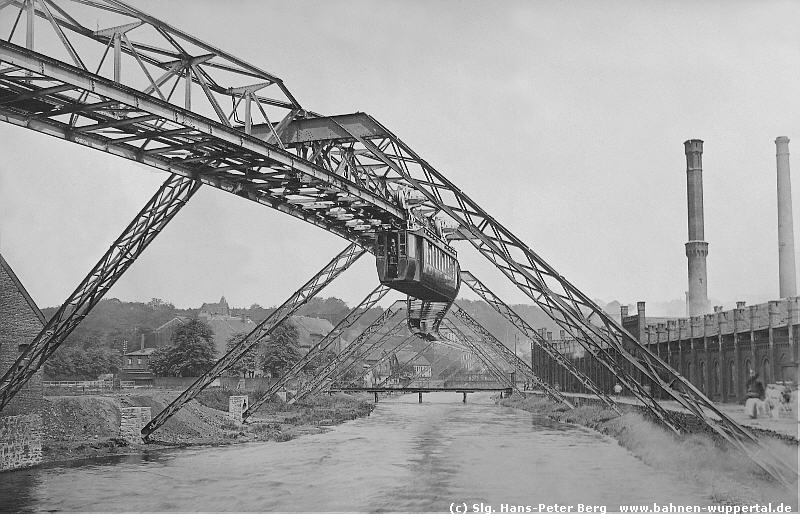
(191, 353)
(246, 366)
(319, 360)
(84, 361)
(282, 350)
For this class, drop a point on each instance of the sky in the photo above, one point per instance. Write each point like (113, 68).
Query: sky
(564, 120)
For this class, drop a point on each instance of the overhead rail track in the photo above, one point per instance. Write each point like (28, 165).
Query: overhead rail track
(114, 90)
(148, 223)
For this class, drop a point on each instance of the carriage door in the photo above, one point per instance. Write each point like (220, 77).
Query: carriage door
(391, 256)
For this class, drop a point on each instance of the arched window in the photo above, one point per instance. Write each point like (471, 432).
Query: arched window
(688, 371)
(715, 384)
(784, 373)
(702, 376)
(747, 369)
(731, 377)
(766, 376)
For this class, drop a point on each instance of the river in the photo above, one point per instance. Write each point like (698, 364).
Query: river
(406, 456)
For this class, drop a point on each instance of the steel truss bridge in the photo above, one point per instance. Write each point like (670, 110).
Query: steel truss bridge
(107, 76)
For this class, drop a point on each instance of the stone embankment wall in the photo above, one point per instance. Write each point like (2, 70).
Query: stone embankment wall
(20, 441)
(236, 407)
(132, 420)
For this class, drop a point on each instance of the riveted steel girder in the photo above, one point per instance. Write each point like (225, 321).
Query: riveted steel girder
(310, 289)
(320, 348)
(151, 220)
(357, 347)
(528, 331)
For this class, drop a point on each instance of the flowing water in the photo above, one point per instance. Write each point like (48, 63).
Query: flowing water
(404, 457)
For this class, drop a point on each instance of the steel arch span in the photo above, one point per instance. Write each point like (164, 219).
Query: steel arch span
(146, 91)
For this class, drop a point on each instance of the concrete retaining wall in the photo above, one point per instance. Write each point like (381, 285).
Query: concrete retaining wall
(20, 441)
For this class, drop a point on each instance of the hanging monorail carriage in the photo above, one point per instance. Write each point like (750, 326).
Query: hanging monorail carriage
(418, 262)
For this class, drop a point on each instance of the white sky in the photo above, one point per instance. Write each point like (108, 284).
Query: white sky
(564, 120)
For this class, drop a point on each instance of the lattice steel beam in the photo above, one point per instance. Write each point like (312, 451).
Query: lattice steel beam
(82, 107)
(151, 220)
(326, 342)
(407, 362)
(310, 289)
(506, 354)
(528, 331)
(344, 367)
(378, 362)
(351, 349)
(479, 350)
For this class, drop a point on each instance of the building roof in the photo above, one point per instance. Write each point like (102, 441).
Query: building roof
(139, 353)
(22, 290)
(176, 319)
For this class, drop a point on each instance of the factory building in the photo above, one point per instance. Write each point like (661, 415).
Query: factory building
(714, 350)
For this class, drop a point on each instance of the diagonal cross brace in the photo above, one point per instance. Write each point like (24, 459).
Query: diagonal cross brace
(528, 331)
(151, 220)
(342, 367)
(332, 366)
(361, 352)
(383, 359)
(507, 355)
(324, 277)
(480, 351)
(318, 349)
(416, 375)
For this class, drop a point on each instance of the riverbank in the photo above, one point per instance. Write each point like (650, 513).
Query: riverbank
(727, 476)
(84, 427)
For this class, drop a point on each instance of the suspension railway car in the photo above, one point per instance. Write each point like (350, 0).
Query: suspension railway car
(419, 263)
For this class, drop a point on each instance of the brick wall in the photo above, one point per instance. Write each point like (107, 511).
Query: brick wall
(20, 441)
(20, 322)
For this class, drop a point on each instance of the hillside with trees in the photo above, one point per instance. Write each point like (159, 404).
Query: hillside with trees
(95, 347)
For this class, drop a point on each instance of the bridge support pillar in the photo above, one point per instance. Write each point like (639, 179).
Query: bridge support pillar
(376, 396)
(464, 398)
(236, 406)
(420, 397)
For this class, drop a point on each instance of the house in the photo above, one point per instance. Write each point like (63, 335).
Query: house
(21, 322)
(210, 310)
(310, 331)
(21, 420)
(135, 367)
(162, 336)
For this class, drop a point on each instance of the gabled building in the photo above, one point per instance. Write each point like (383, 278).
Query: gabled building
(135, 367)
(20, 321)
(20, 420)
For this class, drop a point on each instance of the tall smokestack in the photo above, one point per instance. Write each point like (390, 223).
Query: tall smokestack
(786, 264)
(696, 248)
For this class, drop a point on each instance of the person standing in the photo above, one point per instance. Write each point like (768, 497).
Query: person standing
(755, 395)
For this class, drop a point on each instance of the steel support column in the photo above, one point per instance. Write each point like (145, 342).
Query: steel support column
(512, 317)
(319, 349)
(151, 220)
(325, 276)
(351, 350)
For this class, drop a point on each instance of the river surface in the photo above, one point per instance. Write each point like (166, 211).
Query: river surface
(404, 457)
